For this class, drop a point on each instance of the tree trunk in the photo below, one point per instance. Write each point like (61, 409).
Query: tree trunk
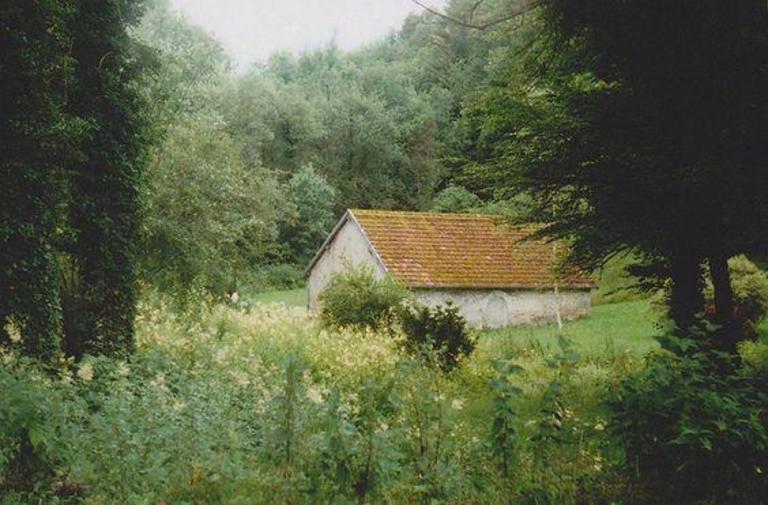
(724, 310)
(686, 299)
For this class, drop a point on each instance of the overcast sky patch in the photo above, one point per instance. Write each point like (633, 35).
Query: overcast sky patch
(251, 30)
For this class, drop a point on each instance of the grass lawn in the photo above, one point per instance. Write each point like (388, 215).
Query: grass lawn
(291, 297)
(609, 328)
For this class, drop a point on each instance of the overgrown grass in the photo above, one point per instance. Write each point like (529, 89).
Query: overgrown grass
(261, 404)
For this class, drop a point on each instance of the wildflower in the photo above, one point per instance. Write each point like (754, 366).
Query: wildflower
(85, 372)
(315, 395)
(599, 426)
(234, 297)
(13, 331)
(122, 369)
(241, 379)
(457, 404)
(159, 382)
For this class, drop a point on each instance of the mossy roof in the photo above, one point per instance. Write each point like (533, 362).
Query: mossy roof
(464, 251)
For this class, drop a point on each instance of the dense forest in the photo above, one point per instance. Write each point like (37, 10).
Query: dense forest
(150, 191)
(292, 143)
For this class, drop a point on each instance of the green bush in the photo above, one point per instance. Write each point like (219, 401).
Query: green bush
(358, 298)
(441, 330)
(694, 428)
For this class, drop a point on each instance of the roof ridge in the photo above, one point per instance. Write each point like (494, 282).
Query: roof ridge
(425, 213)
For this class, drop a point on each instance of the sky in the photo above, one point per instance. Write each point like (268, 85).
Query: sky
(251, 30)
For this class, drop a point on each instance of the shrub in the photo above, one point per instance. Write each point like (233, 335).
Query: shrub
(358, 298)
(441, 329)
(693, 432)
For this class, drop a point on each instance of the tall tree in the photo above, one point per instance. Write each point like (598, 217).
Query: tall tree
(105, 184)
(37, 139)
(73, 142)
(313, 198)
(641, 125)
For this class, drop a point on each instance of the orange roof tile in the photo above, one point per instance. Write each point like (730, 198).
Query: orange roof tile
(429, 250)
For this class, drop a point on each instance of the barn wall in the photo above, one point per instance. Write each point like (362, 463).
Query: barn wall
(349, 248)
(498, 308)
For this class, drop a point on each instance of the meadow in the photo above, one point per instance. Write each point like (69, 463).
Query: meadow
(259, 403)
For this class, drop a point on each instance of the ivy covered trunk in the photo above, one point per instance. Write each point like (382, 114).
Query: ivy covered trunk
(37, 138)
(105, 185)
(73, 128)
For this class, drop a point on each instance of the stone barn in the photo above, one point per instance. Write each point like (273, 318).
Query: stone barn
(488, 270)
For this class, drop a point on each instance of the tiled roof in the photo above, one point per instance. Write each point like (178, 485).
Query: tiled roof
(429, 250)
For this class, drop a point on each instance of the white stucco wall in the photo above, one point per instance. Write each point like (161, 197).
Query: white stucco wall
(499, 308)
(348, 249)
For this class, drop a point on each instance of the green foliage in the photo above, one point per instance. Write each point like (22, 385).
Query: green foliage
(440, 330)
(358, 118)
(277, 278)
(375, 124)
(76, 132)
(455, 199)
(209, 219)
(39, 135)
(692, 427)
(27, 430)
(190, 63)
(750, 293)
(503, 431)
(211, 216)
(357, 298)
(616, 284)
(609, 147)
(262, 404)
(313, 198)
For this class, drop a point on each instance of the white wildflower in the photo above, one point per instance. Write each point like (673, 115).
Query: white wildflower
(85, 372)
(13, 331)
(241, 379)
(234, 297)
(122, 369)
(599, 426)
(457, 404)
(314, 394)
(159, 382)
